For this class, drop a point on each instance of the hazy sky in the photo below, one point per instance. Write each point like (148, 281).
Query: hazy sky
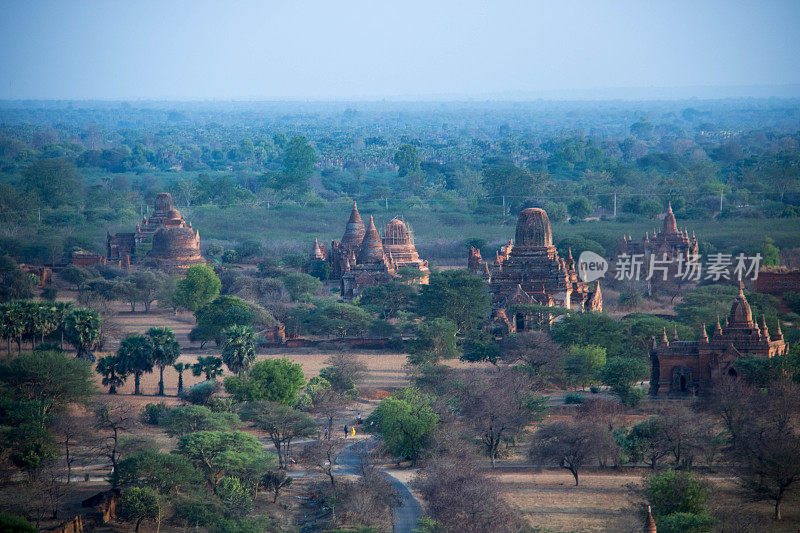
(335, 49)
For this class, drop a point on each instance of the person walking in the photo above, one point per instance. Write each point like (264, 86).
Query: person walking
(346, 431)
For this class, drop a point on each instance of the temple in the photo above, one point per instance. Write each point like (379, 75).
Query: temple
(175, 244)
(680, 367)
(363, 258)
(530, 272)
(670, 241)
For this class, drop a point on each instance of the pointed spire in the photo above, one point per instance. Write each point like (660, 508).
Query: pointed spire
(675, 333)
(718, 329)
(664, 338)
(703, 334)
(371, 249)
(741, 289)
(669, 206)
(650, 524)
(354, 231)
(778, 332)
(764, 330)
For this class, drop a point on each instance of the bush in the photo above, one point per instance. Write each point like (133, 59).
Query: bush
(14, 524)
(573, 398)
(672, 492)
(201, 393)
(686, 523)
(594, 389)
(154, 412)
(49, 293)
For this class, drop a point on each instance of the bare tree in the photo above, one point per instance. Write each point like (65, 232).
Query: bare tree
(571, 444)
(765, 441)
(322, 455)
(499, 404)
(344, 371)
(536, 352)
(113, 421)
(71, 431)
(463, 498)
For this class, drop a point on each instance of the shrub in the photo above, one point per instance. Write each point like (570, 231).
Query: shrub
(15, 524)
(154, 412)
(573, 398)
(686, 523)
(201, 393)
(594, 389)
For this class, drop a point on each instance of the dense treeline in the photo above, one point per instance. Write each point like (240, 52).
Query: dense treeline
(97, 168)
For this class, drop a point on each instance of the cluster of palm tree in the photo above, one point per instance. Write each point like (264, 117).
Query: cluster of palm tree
(22, 320)
(157, 348)
(139, 354)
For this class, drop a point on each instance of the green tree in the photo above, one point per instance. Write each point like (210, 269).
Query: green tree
(138, 504)
(298, 162)
(584, 363)
(620, 373)
(113, 375)
(282, 423)
(13, 325)
(275, 481)
(387, 299)
(679, 502)
(407, 160)
(339, 319)
(14, 283)
(457, 296)
(301, 285)
(136, 356)
(210, 366)
(164, 473)
(180, 368)
(223, 312)
(238, 350)
(236, 498)
(200, 286)
(436, 340)
(186, 419)
(770, 254)
(274, 380)
(166, 351)
(580, 208)
(220, 453)
(591, 328)
(82, 330)
(56, 181)
(405, 421)
(480, 346)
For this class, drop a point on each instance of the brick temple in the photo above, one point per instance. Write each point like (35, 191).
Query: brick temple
(529, 271)
(364, 259)
(670, 241)
(680, 367)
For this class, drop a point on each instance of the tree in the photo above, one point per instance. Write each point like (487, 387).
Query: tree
(200, 286)
(238, 350)
(13, 325)
(220, 453)
(148, 283)
(298, 162)
(387, 299)
(343, 372)
(136, 356)
(407, 159)
(224, 312)
(275, 481)
(764, 442)
(584, 363)
(678, 501)
(591, 328)
(480, 346)
(320, 398)
(340, 319)
(14, 283)
(282, 423)
(56, 181)
(461, 497)
(571, 444)
(164, 473)
(274, 380)
(138, 504)
(113, 375)
(186, 419)
(301, 285)
(436, 340)
(498, 406)
(82, 330)
(580, 208)
(620, 373)
(210, 366)
(180, 368)
(166, 351)
(405, 421)
(646, 441)
(112, 421)
(457, 296)
(235, 496)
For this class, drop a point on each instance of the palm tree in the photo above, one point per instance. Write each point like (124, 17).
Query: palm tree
(238, 350)
(166, 351)
(14, 325)
(62, 310)
(209, 365)
(82, 329)
(136, 356)
(108, 367)
(180, 368)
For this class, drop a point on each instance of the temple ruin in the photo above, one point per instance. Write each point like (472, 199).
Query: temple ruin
(175, 244)
(681, 367)
(529, 272)
(363, 258)
(670, 241)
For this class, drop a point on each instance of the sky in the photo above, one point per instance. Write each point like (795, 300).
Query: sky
(372, 50)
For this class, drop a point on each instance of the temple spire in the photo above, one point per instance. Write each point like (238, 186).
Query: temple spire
(664, 338)
(718, 329)
(703, 334)
(675, 333)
